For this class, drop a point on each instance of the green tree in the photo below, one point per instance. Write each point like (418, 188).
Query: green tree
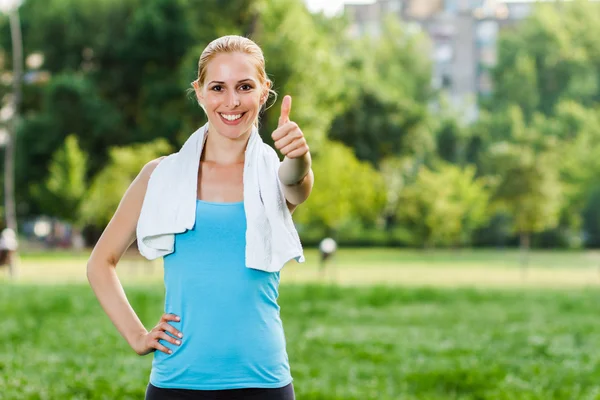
(517, 84)
(65, 186)
(397, 173)
(456, 141)
(303, 61)
(444, 206)
(109, 186)
(345, 190)
(552, 56)
(527, 184)
(111, 87)
(70, 104)
(578, 128)
(388, 80)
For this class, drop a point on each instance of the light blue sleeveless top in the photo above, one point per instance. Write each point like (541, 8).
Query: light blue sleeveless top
(232, 332)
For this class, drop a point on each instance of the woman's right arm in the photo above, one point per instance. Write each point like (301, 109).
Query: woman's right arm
(101, 270)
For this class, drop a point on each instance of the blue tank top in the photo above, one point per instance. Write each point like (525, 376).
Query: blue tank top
(232, 332)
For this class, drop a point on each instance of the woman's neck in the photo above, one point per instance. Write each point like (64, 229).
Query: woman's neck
(219, 149)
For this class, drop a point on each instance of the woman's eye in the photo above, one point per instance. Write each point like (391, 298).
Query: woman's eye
(246, 87)
(217, 88)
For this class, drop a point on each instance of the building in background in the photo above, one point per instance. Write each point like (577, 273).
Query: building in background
(463, 36)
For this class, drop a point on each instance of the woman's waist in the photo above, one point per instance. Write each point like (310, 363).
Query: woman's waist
(214, 325)
(209, 345)
(206, 371)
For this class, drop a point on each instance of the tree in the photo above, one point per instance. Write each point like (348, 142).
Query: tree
(444, 206)
(111, 87)
(552, 56)
(527, 183)
(65, 186)
(109, 186)
(456, 141)
(388, 80)
(345, 189)
(578, 129)
(70, 105)
(304, 62)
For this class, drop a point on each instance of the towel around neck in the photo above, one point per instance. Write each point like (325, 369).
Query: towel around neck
(169, 205)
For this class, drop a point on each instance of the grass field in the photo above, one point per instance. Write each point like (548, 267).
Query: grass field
(483, 268)
(343, 343)
(384, 336)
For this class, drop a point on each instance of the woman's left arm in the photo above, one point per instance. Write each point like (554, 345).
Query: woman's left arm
(297, 178)
(295, 171)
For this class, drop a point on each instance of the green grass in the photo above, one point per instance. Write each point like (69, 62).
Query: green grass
(343, 342)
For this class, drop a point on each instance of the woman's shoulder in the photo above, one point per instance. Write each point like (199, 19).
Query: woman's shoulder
(148, 169)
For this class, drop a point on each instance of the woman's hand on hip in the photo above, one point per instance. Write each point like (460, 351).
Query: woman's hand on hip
(149, 341)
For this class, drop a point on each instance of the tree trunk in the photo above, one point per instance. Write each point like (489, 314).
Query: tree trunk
(9, 151)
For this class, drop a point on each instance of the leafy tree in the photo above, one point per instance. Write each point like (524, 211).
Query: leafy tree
(444, 206)
(388, 80)
(517, 84)
(345, 189)
(109, 186)
(111, 87)
(70, 105)
(591, 217)
(456, 141)
(527, 183)
(65, 186)
(579, 131)
(303, 60)
(552, 56)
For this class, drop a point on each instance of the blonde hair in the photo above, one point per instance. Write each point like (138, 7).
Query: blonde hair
(237, 44)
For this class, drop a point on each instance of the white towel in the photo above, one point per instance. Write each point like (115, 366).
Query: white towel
(170, 205)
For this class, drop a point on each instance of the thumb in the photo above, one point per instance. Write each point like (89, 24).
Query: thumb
(286, 107)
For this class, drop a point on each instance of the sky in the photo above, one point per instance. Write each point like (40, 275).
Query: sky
(331, 7)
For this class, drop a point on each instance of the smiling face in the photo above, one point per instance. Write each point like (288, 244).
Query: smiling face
(231, 94)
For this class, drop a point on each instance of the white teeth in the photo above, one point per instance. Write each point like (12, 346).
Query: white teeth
(231, 117)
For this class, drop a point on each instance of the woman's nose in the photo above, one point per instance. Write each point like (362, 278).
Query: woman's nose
(234, 100)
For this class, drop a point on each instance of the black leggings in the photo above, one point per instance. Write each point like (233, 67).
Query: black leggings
(284, 393)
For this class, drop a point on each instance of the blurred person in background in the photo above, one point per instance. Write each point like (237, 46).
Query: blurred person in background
(8, 250)
(327, 249)
(221, 335)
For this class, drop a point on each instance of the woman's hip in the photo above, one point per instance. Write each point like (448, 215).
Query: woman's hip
(283, 393)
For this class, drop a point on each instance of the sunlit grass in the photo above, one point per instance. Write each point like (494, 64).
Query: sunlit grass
(344, 343)
(480, 268)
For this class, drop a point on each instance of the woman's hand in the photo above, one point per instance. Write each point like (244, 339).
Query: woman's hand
(149, 341)
(288, 136)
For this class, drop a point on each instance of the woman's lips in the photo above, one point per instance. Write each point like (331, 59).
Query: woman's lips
(230, 121)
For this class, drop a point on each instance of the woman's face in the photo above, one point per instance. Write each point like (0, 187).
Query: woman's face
(231, 94)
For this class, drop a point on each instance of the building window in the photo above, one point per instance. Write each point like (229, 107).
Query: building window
(395, 6)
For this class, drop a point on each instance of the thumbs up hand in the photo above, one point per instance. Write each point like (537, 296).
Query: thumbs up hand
(288, 137)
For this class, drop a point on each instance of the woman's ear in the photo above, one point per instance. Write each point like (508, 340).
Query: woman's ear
(265, 95)
(198, 92)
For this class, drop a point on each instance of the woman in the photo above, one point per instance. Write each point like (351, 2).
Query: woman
(221, 336)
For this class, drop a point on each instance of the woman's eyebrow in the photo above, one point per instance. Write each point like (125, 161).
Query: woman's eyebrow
(242, 81)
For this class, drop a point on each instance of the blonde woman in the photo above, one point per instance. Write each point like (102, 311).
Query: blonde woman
(219, 213)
